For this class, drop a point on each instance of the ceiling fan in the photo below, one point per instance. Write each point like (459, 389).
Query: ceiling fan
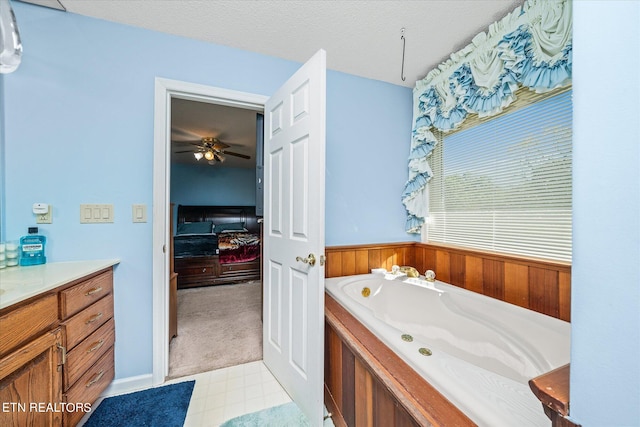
(211, 149)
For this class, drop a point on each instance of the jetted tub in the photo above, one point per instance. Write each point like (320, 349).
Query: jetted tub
(477, 351)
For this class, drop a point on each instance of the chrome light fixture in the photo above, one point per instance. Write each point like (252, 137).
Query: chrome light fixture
(10, 45)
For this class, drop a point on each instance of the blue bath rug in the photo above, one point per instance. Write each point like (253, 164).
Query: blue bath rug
(164, 406)
(287, 415)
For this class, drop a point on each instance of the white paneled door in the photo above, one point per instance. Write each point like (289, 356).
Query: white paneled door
(294, 156)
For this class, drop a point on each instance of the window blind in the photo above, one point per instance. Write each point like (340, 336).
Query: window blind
(504, 185)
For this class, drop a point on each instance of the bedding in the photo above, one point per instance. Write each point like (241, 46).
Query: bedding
(238, 246)
(191, 245)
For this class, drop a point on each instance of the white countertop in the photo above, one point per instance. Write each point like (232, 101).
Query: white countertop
(19, 283)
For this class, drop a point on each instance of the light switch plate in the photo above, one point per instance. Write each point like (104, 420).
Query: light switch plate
(96, 213)
(139, 213)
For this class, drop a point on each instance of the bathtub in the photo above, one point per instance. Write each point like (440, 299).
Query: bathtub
(477, 351)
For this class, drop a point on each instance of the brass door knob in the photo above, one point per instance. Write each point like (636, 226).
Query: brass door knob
(311, 259)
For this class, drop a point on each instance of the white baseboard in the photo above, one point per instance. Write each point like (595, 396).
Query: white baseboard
(128, 385)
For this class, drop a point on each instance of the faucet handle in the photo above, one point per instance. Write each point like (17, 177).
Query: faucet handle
(430, 276)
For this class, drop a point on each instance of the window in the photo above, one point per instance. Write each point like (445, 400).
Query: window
(504, 185)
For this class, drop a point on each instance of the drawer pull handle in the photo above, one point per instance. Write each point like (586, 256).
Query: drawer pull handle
(96, 346)
(204, 270)
(93, 291)
(95, 378)
(93, 318)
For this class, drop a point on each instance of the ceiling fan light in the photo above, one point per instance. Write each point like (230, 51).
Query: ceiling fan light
(209, 155)
(198, 155)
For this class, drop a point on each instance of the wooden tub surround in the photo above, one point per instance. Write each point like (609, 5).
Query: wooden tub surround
(552, 389)
(367, 384)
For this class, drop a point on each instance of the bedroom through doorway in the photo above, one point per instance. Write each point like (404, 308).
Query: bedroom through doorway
(215, 307)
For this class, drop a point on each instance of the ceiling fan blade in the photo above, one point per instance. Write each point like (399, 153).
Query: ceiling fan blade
(244, 156)
(184, 133)
(219, 145)
(188, 151)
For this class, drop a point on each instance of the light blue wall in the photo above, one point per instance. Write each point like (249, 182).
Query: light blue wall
(366, 169)
(605, 309)
(79, 129)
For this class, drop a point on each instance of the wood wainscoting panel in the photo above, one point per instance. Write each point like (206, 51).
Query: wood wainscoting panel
(493, 278)
(443, 266)
(350, 260)
(545, 296)
(364, 389)
(473, 278)
(543, 286)
(564, 283)
(425, 258)
(516, 284)
(458, 268)
(333, 365)
(349, 386)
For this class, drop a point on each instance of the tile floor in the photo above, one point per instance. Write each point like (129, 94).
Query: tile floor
(226, 393)
(229, 392)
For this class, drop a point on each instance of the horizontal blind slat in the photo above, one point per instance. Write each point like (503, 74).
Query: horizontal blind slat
(505, 184)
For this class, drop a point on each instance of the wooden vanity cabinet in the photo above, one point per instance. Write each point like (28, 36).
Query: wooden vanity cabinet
(86, 312)
(57, 348)
(33, 372)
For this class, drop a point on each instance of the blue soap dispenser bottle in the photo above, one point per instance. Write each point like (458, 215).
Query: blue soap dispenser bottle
(32, 248)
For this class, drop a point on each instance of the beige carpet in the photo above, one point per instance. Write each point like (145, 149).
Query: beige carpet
(218, 326)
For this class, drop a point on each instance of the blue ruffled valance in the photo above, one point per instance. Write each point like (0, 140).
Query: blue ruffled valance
(531, 47)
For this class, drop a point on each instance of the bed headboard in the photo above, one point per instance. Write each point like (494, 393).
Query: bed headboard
(220, 215)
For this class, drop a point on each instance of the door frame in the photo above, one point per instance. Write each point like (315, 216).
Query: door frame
(165, 90)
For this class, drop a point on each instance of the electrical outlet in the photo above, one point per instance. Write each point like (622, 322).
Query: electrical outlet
(45, 218)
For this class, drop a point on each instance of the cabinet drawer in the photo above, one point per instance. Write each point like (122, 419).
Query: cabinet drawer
(199, 271)
(88, 352)
(239, 268)
(82, 295)
(88, 320)
(89, 386)
(24, 323)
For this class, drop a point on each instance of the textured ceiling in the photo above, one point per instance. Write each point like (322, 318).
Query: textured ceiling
(360, 37)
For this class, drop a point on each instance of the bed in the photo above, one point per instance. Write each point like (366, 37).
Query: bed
(216, 245)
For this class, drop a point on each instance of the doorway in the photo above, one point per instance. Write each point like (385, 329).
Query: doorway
(165, 91)
(214, 171)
